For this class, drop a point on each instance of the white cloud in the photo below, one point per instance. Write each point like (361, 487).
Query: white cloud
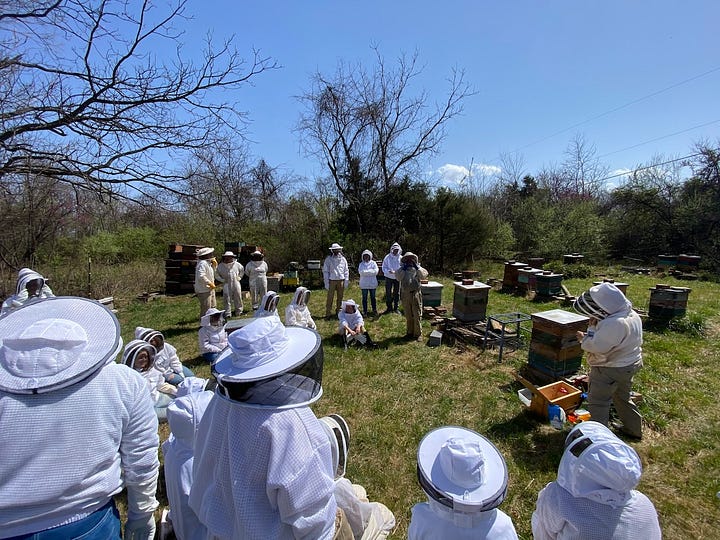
(452, 175)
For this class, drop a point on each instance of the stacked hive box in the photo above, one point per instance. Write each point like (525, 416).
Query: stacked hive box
(667, 302)
(527, 277)
(510, 275)
(554, 347)
(622, 286)
(548, 283)
(180, 269)
(431, 293)
(573, 258)
(470, 301)
(688, 263)
(666, 262)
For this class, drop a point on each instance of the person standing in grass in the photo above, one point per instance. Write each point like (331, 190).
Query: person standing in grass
(336, 274)
(368, 270)
(390, 265)
(75, 427)
(614, 346)
(230, 272)
(257, 269)
(205, 279)
(465, 479)
(594, 496)
(410, 274)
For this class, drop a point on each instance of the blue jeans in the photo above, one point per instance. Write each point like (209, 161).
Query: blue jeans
(210, 356)
(392, 293)
(103, 524)
(372, 300)
(176, 378)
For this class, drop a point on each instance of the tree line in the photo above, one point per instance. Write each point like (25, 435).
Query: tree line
(111, 153)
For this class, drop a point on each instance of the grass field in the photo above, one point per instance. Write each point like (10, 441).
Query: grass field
(393, 395)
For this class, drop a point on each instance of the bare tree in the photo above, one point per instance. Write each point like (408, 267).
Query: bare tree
(369, 130)
(85, 99)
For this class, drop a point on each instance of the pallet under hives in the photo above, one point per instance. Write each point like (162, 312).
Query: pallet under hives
(475, 334)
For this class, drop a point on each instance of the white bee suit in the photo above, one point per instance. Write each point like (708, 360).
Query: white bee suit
(271, 479)
(230, 275)
(257, 280)
(184, 415)
(594, 496)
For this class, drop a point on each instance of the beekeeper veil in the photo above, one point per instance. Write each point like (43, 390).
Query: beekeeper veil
(269, 365)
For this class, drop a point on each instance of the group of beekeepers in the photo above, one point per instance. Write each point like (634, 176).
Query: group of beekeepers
(249, 459)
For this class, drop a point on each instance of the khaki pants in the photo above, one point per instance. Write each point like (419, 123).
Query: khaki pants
(207, 300)
(613, 384)
(337, 286)
(412, 306)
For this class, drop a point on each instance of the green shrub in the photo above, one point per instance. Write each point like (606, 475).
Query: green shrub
(693, 324)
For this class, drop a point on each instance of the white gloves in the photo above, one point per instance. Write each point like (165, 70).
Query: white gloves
(140, 528)
(347, 283)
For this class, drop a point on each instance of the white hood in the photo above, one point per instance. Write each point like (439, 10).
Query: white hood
(597, 465)
(24, 276)
(184, 414)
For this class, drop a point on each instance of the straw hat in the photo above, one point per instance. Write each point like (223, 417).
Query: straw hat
(335, 246)
(229, 254)
(409, 257)
(462, 470)
(202, 252)
(269, 365)
(48, 345)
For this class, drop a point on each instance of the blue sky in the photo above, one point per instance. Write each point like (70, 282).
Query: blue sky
(636, 79)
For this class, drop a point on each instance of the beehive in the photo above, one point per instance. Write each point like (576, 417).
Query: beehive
(510, 275)
(470, 301)
(667, 302)
(622, 286)
(431, 293)
(548, 283)
(554, 347)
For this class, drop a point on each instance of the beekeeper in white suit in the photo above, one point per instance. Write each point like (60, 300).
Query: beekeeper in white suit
(30, 286)
(264, 463)
(594, 497)
(257, 269)
(184, 415)
(336, 275)
(230, 272)
(75, 427)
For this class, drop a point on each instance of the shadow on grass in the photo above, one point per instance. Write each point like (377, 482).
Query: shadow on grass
(537, 448)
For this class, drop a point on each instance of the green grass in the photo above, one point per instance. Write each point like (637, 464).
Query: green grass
(395, 394)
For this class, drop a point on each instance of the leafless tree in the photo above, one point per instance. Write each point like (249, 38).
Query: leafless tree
(86, 96)
(368, 129)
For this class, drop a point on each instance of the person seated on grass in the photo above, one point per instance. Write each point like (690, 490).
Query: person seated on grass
(352, 324)
(298, 313)
(465, 479)
(140, 356)
(212, 337)
(30, 287)
(268, 305)
(594, 496)
(184, 415)
(264, 464)
(76, 428)
(167, 360)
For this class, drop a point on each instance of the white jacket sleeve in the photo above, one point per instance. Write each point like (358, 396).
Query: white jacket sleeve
(546, 525)
(139, 452)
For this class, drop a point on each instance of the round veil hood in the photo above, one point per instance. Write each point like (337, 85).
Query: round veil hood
(601, 301)
(48, 345)
(269, 365)
(597, 465)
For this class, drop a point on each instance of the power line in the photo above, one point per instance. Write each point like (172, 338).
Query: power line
(633, 102)
(659, 138)
(627, 173)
